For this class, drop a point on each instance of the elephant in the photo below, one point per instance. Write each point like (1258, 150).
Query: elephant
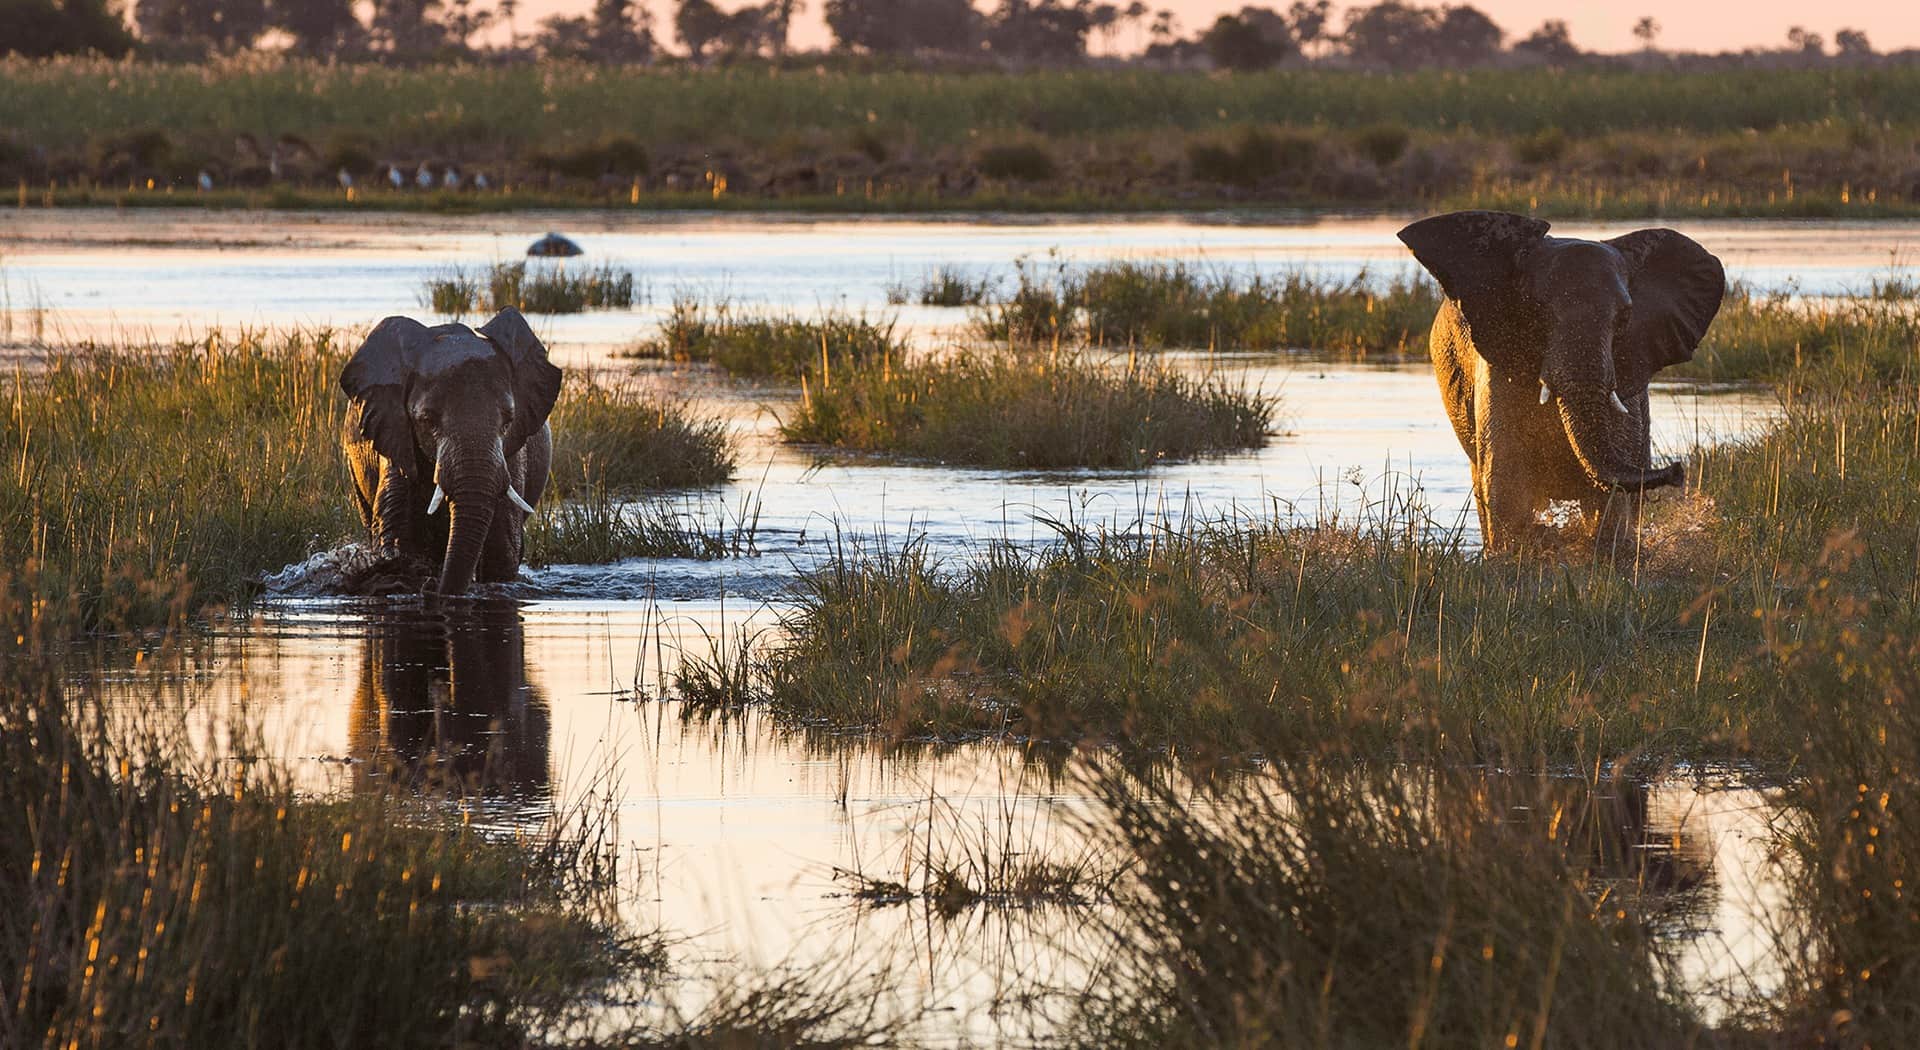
(449, 418)
(444, 699)
(1543, 349)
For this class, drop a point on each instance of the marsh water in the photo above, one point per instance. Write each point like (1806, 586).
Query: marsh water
(733, 835)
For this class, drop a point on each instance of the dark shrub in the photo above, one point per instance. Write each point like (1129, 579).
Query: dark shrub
(1382, 143)
(616, 155)
(1026, 161)
(348, 151)
(1254, 157)
(1545, 146)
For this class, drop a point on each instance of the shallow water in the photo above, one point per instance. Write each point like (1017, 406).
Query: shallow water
(735, 834)
(104, 273)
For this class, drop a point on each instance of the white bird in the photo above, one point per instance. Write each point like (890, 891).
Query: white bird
(480, 181)
(206, 182)
(394, 176)
(423, 178)
(451, 178)
(346, 178)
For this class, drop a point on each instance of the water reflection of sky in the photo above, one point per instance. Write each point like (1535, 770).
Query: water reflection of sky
(99, 273)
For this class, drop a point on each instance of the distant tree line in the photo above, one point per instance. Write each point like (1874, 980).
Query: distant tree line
(1392, 34)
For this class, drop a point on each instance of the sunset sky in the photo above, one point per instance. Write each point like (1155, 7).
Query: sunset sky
(1597, 24)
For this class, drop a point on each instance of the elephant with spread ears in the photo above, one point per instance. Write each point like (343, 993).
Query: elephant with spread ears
(448, 443)
(1543, 349)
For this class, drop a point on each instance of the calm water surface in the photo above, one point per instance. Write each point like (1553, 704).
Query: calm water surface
(734, 835)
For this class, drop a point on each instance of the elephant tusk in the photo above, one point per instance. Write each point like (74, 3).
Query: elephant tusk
(1618, 404)
(1545, 394)
(519, 500)
(439, 497)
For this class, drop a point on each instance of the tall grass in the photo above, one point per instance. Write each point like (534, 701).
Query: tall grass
(595, 528)
(1019, 410)
(1212, 636)
(151, 483)
(1317, 902)
(762, 345)
(544, 289)
(613, 434)
(1156, 305)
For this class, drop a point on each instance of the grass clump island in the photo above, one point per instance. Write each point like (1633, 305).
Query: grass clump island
(153, 483)
(1154, 306)
(749, 344)
(1028, 410)
(542, 289)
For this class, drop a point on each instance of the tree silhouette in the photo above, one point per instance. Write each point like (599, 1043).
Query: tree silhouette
(1646, 31)
(221, 24)
(319, 27)
(1551, 43)
(409, 27)
(1309, 21)
(1390, 33)
(1256, 38)
(1852, 43)
(620, 31)
(1040, 30)
(42, 28)
(1465, 36)
(904, 26)
(699, 24)
(1807, 43)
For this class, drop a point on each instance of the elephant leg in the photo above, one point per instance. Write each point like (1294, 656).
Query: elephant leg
(396, 528)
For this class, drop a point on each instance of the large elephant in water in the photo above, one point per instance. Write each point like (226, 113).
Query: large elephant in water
(1543, 350)
(448, 442)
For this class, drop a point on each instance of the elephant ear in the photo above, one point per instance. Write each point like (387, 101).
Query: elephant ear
(536, 380)
(1476, 257)
(376, 380)
(1676, 287)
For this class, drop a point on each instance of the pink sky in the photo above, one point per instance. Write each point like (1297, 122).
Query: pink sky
(1597, 25)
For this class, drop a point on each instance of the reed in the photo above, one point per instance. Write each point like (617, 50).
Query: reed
(540, 289)
(152, 484)
(750, 344)
(1216, 635)
(1034, 411)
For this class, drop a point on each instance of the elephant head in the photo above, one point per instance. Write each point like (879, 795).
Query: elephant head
(448, 407)
(1591, 320)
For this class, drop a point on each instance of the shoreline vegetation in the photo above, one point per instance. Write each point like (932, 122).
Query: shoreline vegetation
(1210, 636)
(155, 485)
(1593, 143)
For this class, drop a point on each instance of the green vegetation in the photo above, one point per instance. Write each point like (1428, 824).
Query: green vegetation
(943, 286)
(155, 483)
(1160, 305)
(1026, 410)
(1217, 636)
(614, 435)
(1598, 141)
(756, 345)
(547, 289)
(596, 529)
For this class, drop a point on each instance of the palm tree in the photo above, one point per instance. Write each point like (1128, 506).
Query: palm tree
(1647, 31)
(507, 10)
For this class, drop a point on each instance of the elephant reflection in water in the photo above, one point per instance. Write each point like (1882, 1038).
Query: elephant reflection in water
(444, 700)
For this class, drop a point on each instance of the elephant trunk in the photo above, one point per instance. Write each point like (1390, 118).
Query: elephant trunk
(475, 480)
(1602, 439)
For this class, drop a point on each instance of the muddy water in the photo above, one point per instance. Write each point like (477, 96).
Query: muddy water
(732, 837)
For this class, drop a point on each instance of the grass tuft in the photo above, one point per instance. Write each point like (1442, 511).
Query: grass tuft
(753, 345)
(542, 289)
(1013, 410)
